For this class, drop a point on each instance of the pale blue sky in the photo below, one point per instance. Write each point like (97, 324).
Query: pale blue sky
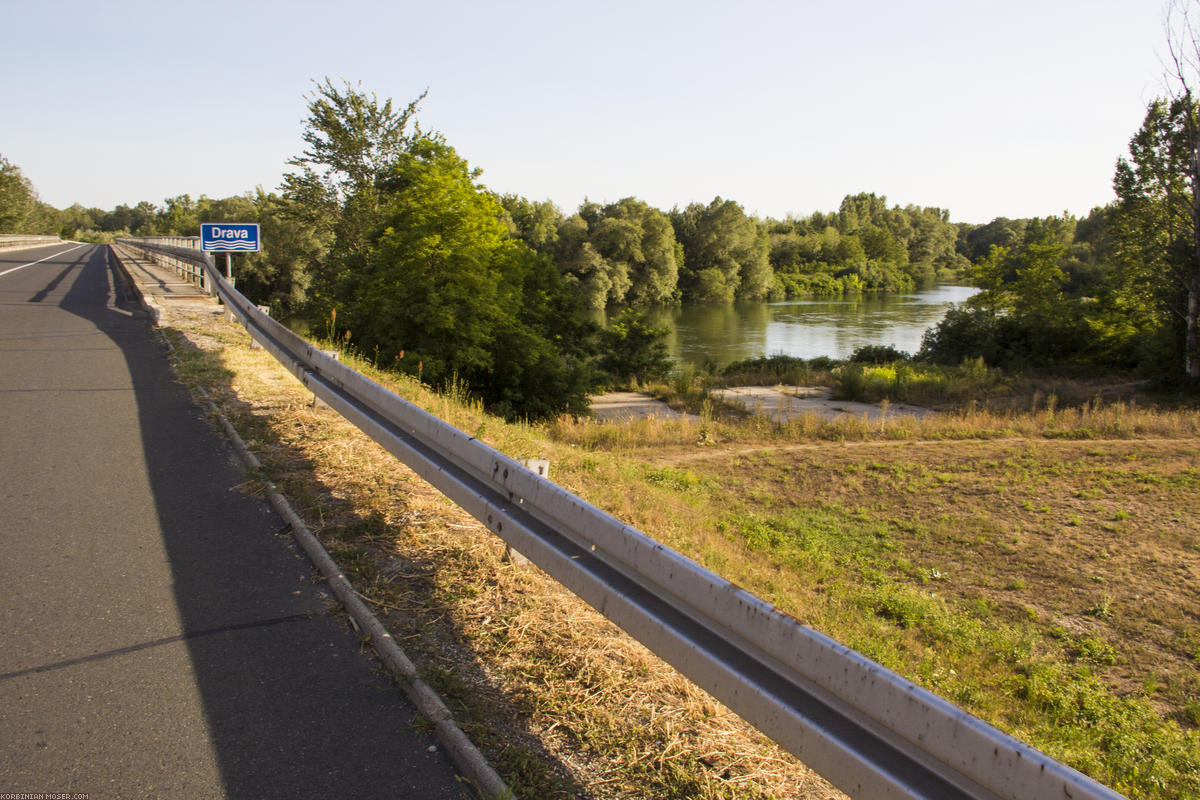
(1014, 108)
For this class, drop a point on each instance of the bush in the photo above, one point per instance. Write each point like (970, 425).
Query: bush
(765, 370)
(1006, 340)
(814, 284)
(822, 363)
(878, 354)
(633, 349)
(906, 381)
(866, 384)
(875, 277)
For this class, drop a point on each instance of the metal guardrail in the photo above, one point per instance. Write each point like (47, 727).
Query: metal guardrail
(868, 730)
(15, 241)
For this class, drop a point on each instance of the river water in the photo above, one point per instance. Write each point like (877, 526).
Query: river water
(804, 328)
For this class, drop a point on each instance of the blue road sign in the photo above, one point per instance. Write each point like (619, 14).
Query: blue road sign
(229, 237)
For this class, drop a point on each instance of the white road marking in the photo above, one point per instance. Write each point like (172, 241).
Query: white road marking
(40, 260)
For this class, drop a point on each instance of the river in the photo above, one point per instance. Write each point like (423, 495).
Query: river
(804, 328)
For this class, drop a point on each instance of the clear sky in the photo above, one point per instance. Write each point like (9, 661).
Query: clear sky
(1000, 108)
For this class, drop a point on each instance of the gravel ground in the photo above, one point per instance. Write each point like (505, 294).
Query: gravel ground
(782, 404)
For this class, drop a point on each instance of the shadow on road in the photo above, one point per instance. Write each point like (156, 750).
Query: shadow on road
(292, 707)
(412, 581)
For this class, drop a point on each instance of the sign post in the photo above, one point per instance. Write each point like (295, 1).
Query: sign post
(229, 238)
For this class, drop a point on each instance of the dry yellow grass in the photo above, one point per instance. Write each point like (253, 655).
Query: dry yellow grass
(561, 701)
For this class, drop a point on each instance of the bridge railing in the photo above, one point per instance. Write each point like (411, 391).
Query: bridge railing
(181, 254)
(867, 729)
(16, 241)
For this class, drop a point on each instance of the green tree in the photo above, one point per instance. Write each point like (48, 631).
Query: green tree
(20, 209)
(585, 270)
(1091, 260)
(431, 283)
(641, 239)
(725, 253)
(18, 201)
(139, 220)
(46, 220)
(180, 217)
(1027, 282)
(352, 139)
(623, 253)
(634, 350)
(535, 223)
(77, 220)
(1023, 315)
(932, 242)
(238, 208)
(850, 251)
(279, 275)
(866, 246)
(1157, 226)
(880, 244)
(443, 291)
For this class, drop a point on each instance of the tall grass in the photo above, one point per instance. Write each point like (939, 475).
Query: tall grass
(923, 384)
(972, 383)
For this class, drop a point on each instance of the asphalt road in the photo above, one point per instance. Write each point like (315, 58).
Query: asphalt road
(160, 634)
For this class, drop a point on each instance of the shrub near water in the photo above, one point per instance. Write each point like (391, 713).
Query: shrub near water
(872, 374)
(775, 369)
(907, 381)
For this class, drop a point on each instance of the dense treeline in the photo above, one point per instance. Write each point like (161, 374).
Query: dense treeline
(384, 240)
(1117, 289)
(629, 254)
(1048, 296)
(1090, 286)
(622, 254)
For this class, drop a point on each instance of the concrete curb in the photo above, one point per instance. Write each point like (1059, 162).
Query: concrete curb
(462, 750)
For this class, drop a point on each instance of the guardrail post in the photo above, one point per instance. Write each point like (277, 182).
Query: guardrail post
(541, 466)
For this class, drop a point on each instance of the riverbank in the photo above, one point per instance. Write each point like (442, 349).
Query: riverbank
(628, 406)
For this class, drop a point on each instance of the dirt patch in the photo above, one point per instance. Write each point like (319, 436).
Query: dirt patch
(780, 404)
(786, 403)
(626, 406)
